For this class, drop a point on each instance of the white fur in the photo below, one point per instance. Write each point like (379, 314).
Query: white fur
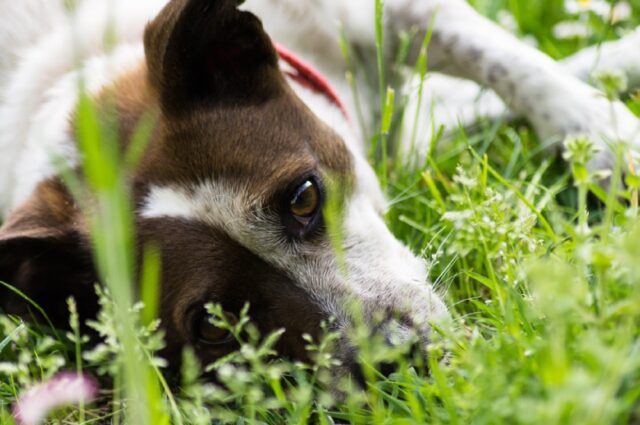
(556, 103)
(23, 23)
(40, 95)
(615, 55)
(452, 102)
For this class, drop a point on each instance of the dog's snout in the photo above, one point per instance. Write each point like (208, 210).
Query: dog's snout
(362, 370)
(407, 357)
(356, 372)
(397, 332)
(389, 347)
(385, 369)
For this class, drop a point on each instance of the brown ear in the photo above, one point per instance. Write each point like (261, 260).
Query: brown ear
(209, 51)
(44, 256)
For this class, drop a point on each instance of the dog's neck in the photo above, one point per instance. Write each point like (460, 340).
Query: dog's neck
(306, 75)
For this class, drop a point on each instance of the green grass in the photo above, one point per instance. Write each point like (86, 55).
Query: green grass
(543, 284)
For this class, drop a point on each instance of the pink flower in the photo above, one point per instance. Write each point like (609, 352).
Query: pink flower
(66, 388)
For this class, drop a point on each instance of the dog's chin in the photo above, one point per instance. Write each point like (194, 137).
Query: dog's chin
(363, 356)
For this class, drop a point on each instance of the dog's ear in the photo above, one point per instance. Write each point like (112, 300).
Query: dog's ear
(44, 255)
(209, 51)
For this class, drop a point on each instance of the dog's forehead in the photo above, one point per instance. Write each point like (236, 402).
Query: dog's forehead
(267, 145)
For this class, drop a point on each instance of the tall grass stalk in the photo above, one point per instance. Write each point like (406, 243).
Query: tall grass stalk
(111, 223)
(386, 96)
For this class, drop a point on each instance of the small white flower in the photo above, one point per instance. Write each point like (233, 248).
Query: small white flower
(507, 21)
(226, 371)
(621, 12)
(7, 368)
(599, 7)
(34, 405)
(531, 41)
(571, 29)
(455, 216)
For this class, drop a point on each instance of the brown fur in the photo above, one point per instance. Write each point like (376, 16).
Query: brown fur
(202, 265)
(46, 255)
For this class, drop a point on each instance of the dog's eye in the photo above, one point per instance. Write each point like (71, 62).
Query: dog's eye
(305, 202)
(209, 334)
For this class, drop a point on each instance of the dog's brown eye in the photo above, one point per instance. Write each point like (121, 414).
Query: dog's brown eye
(305, 202)
(209, 334)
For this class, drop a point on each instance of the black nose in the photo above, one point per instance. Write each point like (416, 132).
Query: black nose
(357, 374)
(386, 368)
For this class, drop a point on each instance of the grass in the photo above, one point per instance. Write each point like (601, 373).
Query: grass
(542, 282)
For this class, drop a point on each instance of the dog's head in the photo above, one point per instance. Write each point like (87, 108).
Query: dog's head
(233, 189)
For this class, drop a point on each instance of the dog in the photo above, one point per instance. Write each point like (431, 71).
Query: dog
(249, 142)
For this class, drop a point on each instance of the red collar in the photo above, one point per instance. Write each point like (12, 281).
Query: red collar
(307, 76)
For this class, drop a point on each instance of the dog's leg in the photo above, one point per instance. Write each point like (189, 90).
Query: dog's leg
(466, 44)
(451, 102)
(621, 55)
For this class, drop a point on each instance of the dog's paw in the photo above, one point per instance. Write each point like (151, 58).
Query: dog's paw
(617, 132)
(606, 160)
(608, 124)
